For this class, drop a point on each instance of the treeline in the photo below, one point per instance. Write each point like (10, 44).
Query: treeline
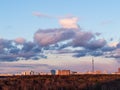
(71, 82)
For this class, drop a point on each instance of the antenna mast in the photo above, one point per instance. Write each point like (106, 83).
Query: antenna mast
(92, 64)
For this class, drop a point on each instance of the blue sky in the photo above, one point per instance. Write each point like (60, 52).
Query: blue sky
(17, 19)
(22, 20)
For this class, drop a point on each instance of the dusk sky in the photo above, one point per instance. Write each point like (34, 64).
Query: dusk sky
(41, 35)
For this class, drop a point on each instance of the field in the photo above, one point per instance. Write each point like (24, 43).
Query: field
(71, 82)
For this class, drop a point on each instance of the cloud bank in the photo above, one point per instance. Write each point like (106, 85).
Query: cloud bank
(61, 40)
(58, 40)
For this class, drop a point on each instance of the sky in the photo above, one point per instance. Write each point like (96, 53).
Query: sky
(35, 32)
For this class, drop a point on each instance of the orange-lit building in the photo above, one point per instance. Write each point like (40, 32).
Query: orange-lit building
(62, 72)
(118, 70)
(28, 73)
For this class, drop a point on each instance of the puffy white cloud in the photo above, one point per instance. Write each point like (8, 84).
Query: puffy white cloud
(69, 22)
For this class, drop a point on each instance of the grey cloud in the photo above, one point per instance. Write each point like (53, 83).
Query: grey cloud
(64, 46)
(10, 51)
(52, 39)
(114, 54)
(118, 45)
(5, 46)
(80, 54)
(111, 39)
(87, 52)
(49, 38)
(82, 38)
(96, 53)
(96, 44)
(97, 33)
(108, 48)
(8, 57)
(28, 46)
(52, 36)
(64, 51)
(87, 40)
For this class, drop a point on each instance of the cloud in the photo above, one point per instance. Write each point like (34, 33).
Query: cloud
(57, 39)
(80, 54)
(20, 40)
(8, 57)
(111, 50)
(75, 38)
(69, 22)
(13, 50)
(97, 53)
(52, 39)
(28, 46)
(96, 44)
(52, 36)
(82, 38)
(114, 54)
(5, 45)
(41, 15)
(118, 45)
(108, 48)
(97, 33)
(88, 40)
(113, 44)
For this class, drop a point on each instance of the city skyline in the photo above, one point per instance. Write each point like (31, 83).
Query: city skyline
(44, 35)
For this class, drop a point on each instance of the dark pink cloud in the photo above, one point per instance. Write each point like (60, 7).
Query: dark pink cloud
(20, 40)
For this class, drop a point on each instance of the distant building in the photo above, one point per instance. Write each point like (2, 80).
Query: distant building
(98, 72)
(95, 72)
(89, 72)
(62, 72)
(118, 70)
(76, 73)
(6, 74)
(43, 73)
(73, 73)
(28, 73)
(53, 72)
(105, 72)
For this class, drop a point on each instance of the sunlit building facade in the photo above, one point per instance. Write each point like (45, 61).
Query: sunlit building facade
(62, 72)
(28, 73)
(119, 70)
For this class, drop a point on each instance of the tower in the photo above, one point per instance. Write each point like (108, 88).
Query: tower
(92, 64)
